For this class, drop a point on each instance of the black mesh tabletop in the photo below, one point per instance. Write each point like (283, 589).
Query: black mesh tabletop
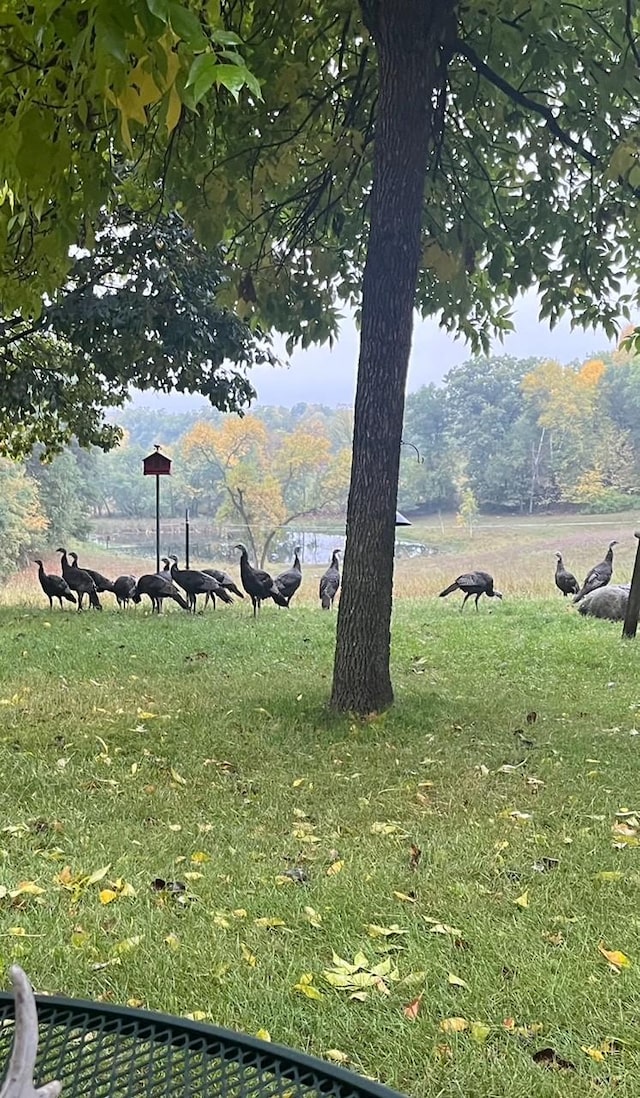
(98, 1050)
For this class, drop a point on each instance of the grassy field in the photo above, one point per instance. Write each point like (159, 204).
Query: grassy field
(198, 750)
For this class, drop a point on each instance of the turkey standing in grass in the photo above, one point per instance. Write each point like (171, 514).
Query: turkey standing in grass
(79, 581)
(54, 587)
(565, 581)
(101, 582)
(330, 582)
(472, 583)
(226, 582)
(124, 588)
(287, 583)
(599, 576)
(196, 583)
(158, 589)
(257, 583)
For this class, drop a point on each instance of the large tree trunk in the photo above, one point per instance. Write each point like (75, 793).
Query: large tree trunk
(410, 37)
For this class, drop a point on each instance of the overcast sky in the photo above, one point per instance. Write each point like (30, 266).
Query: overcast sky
(323, 376)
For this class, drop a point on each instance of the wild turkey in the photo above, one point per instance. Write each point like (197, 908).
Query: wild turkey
(54, 587)
(472, 583)
(287, 583)
(565, 581)
(606, 602)
(157, 589)
(101, 582)
(330, 582)
(79, 581)
(225, 580)
(196, 583)
(124, 588)
(257, 583)
(599, 576)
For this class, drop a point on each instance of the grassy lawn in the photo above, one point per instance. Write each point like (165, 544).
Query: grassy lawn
(198, 751)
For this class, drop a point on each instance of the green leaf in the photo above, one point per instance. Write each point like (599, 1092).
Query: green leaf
(159, 8)
(202, 76)
(187, 26)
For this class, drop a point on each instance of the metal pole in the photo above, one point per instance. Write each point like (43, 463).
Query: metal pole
(633, 606)
(186, 537)
(157, 523)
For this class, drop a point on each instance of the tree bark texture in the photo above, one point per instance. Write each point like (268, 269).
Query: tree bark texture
(411, 38)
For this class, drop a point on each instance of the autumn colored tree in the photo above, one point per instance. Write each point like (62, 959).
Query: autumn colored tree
(23, 525)
(269, 480)
(591, 459)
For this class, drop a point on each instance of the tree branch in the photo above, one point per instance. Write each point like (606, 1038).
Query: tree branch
(524, 101)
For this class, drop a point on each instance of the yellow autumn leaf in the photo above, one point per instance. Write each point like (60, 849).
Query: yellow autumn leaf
(297, 783)
(197, 1016)
(523, 900)
(98, 875)
(406, 899)
(335, 868)
(313, 917)
(17, 932)
(263, 1035)
(199, 857)
(193, 876)
(271, 923)
(305, 987)
(178, 777)
(127, 945)
(454, 1025)
(615, 957)
(594, 1053)
(456, 981)
(135, 1003)
(221, 922)
(26, 888)
(336, 1056)
(172, 942)
(238, 912)
(375, 931)
(107, 896)
(249, 957)
(479, 1031)
(144, 715)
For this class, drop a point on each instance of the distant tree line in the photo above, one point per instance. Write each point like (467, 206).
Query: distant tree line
(525, 436)
(499, 435)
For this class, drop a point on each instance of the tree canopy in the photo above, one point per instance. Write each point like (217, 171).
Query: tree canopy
(139, 310)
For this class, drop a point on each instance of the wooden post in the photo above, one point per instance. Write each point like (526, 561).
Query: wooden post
(186, 537)
(633, 606)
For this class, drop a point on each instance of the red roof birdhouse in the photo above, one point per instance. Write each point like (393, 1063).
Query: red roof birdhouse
(156, 465)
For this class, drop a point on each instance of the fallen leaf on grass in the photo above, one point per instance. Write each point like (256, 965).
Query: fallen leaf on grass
(522, 1031)
(617, 960)
(442, 928)
(455, 981)
(199, 857)
(406, 897)
(263, 1035)
(127, 945)
(454, 1025)
(135, 1003)
(375, 931)
(608, 876)
(313, 917)
(248, 957)
(336, 1056)
(523, 900)
(386, 828)
(593, 1053)
(361, 976)
(269, 923)
(172, 942)
(197, 1016)
(335, 868)
(548, 1058)
(411, 1010)
(415, 855)
(479, 1031)
(305, 987)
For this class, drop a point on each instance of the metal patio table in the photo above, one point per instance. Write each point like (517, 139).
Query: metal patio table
(97, 1050)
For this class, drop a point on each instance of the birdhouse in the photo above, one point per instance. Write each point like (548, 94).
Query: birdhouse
(156, 465)
(401, 520)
